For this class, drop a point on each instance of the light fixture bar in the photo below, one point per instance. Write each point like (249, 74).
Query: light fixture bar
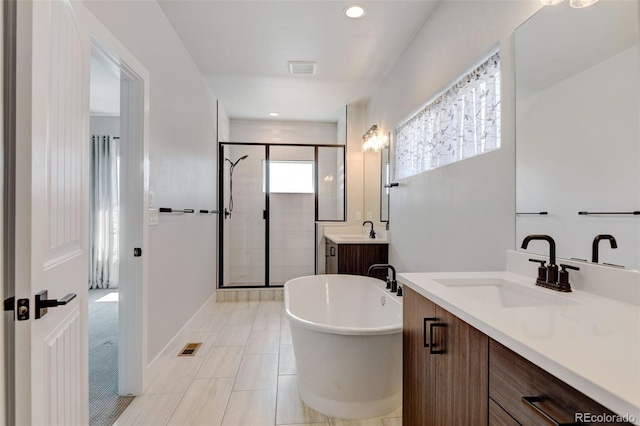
(371, 141)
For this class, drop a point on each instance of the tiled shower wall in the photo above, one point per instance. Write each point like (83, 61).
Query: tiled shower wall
(292, 236)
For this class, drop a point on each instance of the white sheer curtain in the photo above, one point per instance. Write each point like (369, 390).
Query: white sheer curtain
(462, 122)
(105, 198)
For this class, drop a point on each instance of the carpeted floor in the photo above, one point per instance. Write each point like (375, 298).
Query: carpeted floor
(105, 406)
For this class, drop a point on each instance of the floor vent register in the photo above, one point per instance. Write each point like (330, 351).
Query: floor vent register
(190, 349)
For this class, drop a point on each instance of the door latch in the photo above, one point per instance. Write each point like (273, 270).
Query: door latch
(22, 313)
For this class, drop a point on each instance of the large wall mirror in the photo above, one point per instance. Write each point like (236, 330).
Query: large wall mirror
(578, 130)
(377, 174)
(371, 186)
(385, 180)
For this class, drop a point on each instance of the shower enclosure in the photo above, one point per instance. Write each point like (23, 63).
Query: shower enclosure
(270, 196)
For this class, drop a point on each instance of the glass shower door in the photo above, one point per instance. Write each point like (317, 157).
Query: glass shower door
(271, 196)
(331, 184)
(291, 212)
(243, 213)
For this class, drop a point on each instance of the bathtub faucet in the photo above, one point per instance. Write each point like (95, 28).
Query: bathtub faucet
(391, 284)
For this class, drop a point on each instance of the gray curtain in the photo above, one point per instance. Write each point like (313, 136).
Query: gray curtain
(103, 222)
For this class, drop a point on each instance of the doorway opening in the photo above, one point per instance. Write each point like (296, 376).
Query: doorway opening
(116, 222)
(105, 405)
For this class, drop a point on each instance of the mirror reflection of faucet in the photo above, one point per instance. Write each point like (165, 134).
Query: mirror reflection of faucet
(372, 232)
(596, 244)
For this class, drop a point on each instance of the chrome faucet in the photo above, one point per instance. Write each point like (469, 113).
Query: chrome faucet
(392, 284)
(596, 243)
(372, 232)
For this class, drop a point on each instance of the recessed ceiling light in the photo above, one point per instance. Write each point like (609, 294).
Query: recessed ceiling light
(355, 11)
(274, 114)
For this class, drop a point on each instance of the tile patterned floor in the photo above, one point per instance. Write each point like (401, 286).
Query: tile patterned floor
(243, 375)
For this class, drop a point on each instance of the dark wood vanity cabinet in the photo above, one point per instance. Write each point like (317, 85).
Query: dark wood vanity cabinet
(445, 366)
(330, 257)
(532, 396)
(454, 374)
(354, 259)
(499, 417)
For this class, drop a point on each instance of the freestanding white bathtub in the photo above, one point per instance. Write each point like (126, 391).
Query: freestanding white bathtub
(347, 340)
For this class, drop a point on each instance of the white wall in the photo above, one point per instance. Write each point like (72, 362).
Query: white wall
(104, 125)
(276, 131)
(460, 216)
(181, 252)
(355, 128)
(224, 124)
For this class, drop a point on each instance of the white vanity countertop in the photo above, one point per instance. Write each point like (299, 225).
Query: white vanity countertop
(592, 345)
(355, 235)
(355, 239)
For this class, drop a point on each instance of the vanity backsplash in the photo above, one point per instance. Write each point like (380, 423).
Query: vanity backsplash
(614, 283)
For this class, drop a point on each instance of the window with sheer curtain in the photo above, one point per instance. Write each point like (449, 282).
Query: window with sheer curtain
(103, 216)
(462, 122)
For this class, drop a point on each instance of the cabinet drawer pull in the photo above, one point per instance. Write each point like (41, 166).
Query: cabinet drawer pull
(432, 345)
(424, 331)
(531, 400)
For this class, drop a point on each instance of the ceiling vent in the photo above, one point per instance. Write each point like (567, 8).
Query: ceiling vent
(302, 67)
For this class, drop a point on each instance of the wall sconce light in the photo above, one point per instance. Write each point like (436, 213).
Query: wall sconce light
(577, 4)
(372, 141)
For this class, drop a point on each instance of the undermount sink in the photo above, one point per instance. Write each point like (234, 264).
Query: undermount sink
(498, 292)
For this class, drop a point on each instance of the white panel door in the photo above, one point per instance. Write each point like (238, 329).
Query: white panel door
(51, 211)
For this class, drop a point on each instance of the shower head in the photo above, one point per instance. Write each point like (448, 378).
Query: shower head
(237, 161)
(233, 165)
